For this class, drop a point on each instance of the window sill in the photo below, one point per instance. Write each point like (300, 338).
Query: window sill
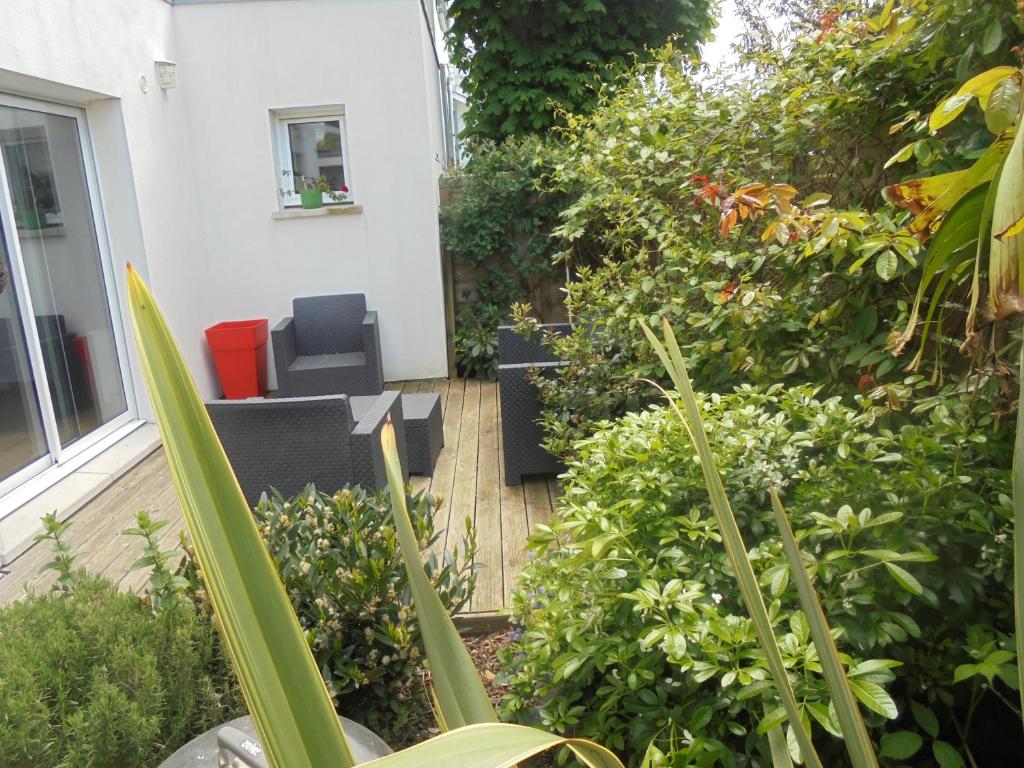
(38, 234)
(306, 213)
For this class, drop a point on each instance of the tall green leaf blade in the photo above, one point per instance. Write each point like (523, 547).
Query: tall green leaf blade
(937, 304)
(1007, 250)
(461, 695)
(492, 745)
(984, 227)
(959, 229)
(672, 359)
(779, 749)
(855, 734)
(1018, 539)
(279, 678)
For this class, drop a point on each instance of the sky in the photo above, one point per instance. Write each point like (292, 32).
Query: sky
(728, 30)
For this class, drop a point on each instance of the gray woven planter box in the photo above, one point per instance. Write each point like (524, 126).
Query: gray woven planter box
(521, 435)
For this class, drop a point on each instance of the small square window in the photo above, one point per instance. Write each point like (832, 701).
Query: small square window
(312, 152)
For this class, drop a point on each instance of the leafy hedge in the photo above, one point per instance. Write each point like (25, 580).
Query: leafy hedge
(632, 627)
(526, 59)
(690, 193)
(500, 222)
(745, 315)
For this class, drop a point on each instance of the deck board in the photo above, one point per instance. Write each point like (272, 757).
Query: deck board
(99, 518)
(515, 527)
(462, 505)
(538, 502)
(468, 477)
(163, 507)
(490, 591)
(443, 479)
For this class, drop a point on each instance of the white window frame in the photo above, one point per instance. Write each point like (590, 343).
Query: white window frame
(281, 119)
(60, 457)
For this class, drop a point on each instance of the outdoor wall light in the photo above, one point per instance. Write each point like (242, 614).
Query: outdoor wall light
(166, 74)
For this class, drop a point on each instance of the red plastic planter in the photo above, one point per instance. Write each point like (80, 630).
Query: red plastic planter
(240, 351)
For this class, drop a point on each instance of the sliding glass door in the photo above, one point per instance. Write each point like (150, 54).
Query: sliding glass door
(23, 446)
(62, 383)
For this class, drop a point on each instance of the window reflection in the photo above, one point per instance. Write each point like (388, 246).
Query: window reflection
(22, 439)
(61, 258)
(316, 151)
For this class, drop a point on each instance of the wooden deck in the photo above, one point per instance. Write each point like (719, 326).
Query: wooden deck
(468, 477)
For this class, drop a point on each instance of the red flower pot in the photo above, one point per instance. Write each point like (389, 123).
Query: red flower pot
(240, 351)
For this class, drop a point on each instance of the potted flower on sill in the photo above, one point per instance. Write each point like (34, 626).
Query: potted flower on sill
(28, 218)
(311, 191)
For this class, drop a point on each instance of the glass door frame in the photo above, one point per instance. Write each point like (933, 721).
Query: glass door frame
(19, 279)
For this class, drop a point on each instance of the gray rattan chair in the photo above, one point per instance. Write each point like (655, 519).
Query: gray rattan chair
(329, 346)
(286, 443)
(521, 434)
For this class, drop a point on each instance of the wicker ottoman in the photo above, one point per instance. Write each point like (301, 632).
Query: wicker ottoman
(424, 432)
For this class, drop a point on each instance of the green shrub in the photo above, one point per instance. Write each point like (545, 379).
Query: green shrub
(341, 564)
(631, 626)
(476, 340)
(653, 172)
(741, 315)
(93, 677)
(499, 222)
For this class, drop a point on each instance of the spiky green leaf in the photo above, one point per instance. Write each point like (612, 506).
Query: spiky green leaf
(461, 695)
(855, 734)
(280, 681)
(672, 358)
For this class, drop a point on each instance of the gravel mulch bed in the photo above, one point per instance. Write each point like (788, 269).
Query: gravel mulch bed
(484, 651)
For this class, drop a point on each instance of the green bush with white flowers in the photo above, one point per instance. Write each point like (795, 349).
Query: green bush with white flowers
(339, 558)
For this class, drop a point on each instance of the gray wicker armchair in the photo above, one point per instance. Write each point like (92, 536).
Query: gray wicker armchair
(329, 346)
(286, 443)
(521, 434)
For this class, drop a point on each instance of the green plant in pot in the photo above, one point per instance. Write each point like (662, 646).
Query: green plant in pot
(311, 190)
(28, 218)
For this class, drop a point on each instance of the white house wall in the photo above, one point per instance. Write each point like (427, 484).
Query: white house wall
(432, 88)
(188, 177)
(238, 61)
(92, 55)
